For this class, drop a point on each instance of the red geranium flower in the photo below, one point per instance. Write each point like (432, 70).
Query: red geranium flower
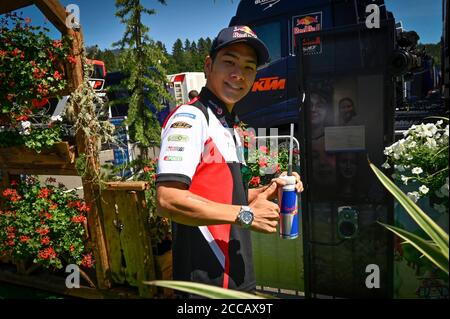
(255, 181)
(57, 75)
(45, 240)
(39, 103)
(78, 219)
(24, 239)
(87, 261)
(44, 193)
(72, 59)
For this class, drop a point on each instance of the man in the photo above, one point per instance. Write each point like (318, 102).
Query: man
(192, 94)
(199, 181)
(347, 112)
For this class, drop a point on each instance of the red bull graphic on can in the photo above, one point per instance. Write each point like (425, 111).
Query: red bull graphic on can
(310, 22)
(289, 210)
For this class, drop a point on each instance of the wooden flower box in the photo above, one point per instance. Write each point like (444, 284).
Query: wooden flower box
(57, 160)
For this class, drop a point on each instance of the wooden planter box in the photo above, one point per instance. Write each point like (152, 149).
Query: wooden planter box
(127, 235)
(57, 160)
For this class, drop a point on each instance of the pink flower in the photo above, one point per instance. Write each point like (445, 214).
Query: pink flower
(264, 149)
(87, 261)
(57, 43)
(262, 162)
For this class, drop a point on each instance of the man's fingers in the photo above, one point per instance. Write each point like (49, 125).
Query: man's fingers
(269, 190)
(280, 182)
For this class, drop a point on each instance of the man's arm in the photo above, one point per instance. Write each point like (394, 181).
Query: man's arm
(174, 201)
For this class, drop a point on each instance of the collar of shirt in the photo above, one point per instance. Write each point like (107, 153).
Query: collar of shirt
(208, 99)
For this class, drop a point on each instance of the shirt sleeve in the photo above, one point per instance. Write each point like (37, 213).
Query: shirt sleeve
(182, 141)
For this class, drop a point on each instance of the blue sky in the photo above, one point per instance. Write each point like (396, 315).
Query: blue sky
(193, 19)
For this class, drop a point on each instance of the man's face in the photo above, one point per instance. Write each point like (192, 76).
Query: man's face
(318, 109)
(346, 109)
(232, 73)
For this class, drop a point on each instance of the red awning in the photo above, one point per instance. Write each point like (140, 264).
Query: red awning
(179, 78)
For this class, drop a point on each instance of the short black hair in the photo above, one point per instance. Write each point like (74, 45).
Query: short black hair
(192, 94)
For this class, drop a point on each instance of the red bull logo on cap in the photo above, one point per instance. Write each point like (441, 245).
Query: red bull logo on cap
(243, 32)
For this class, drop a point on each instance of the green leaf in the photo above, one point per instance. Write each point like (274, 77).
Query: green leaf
(428, 249)
(436, 233)
(203, 290)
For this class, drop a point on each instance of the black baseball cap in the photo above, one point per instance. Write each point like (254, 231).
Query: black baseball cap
(240, 34)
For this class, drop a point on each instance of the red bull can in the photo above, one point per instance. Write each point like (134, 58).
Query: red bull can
(289, 210)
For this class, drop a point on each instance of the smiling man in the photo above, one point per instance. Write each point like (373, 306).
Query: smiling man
(199, 182)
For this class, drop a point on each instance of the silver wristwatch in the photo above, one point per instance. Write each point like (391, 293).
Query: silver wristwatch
(245, 217)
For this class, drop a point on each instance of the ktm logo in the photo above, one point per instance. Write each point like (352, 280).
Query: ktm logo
(269, 84)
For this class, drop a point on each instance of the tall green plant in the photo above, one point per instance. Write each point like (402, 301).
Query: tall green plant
(204, 290)
(143, 61)
(435, 248)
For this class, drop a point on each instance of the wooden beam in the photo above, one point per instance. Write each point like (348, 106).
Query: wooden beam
(56, 284)
(127, 186)
(53, 10)
(43, 171)
(91, 190)
(8, 5)
(55, 13)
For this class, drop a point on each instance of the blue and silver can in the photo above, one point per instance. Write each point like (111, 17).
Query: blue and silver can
(289, 210)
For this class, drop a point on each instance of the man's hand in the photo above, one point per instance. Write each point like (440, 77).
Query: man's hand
(265, 213)
(281, 182)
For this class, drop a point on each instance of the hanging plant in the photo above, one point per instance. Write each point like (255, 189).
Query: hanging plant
(32, 70)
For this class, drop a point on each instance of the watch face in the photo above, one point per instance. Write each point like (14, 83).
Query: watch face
(247, 217)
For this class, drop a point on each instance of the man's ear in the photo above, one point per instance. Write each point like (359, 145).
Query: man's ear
(207, 67)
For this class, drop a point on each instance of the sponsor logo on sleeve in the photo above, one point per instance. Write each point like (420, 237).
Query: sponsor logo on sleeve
(181, 124)
(178, 138)
(192, 116)
(175, 148)
(173, 158)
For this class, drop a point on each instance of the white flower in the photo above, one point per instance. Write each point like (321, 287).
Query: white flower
(404, 179)
(56, 118)
(414, 196)
(412, 144)
(386, 165)
(440, 208)
(425, 130)
(431, 143)
(446, 131)
(439, 122)
(25, 128)
(417, 170)
(399, 168)
(423, 189)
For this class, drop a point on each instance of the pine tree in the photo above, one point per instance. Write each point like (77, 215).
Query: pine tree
(143, 60)
(177, 56)
(188, 62)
